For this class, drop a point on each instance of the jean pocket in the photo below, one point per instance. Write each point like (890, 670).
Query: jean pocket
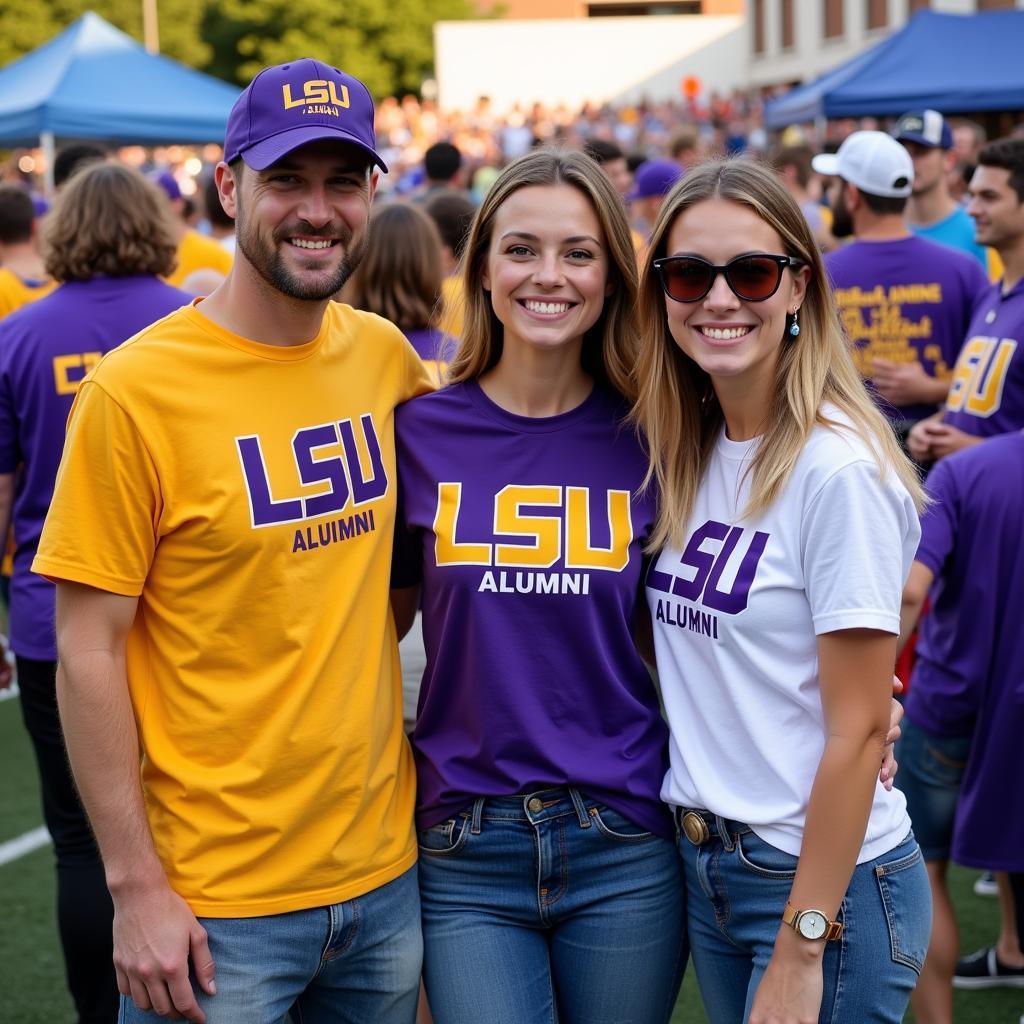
(763, 859)
(444, 839)
(906, 897)
(617, 826)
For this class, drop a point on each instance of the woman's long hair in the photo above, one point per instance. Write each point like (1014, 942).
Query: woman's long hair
(399, 276)
(677, 407)
(610, 346)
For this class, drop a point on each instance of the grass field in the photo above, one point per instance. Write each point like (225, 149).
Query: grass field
(31, 981)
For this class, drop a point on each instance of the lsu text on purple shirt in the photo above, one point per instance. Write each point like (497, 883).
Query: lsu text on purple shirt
(986, 394)
(46, 349)
(906, 301)
(526, 534)
(969, 675)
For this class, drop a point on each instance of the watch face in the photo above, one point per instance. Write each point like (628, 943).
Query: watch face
(812, 924)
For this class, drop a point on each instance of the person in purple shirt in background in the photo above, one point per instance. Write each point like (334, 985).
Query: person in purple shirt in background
(399, 279)
(108, 241)
(961, 746)
(986, 394)
(905, 302)
(548, 875)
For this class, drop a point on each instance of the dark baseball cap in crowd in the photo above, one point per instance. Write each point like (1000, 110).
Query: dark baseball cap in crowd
(926, 128)
(655, 178)
(290, 105)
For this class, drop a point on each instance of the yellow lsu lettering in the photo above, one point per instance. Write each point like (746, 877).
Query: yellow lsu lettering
(979, 375)
(319, 90)
(542, 532)
(69, 371)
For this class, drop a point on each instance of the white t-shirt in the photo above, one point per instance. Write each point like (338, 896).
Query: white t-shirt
(736, 619)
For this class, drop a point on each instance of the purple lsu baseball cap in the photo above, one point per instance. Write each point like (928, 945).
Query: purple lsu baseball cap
(289, 105)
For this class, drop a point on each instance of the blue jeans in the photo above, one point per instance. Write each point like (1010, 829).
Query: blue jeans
(356, 962)
(549, 907)
(931, 771)
(736, 890)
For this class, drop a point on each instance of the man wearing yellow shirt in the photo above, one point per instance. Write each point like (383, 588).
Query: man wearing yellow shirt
(196, 252)
(23, 277)
(221, 540)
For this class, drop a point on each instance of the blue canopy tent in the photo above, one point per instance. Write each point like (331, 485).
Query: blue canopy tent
(951, 62)
(94, 82)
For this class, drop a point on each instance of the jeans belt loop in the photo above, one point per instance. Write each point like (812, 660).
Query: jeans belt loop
(695, 828)
(580, 807)
(727, 837)
(478, 812)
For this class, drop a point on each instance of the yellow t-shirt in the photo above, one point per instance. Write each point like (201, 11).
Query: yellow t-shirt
(246, 494)
(197, 252)
(15, 293)
(452, 308)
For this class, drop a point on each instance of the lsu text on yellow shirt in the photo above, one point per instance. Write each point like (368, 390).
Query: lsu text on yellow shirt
(246, 494)
(15, 293)
(197, 252)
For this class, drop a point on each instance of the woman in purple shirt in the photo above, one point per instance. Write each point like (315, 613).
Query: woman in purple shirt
(548, 876)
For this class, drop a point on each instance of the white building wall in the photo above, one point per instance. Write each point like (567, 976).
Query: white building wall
(596, 59)
(812, 54)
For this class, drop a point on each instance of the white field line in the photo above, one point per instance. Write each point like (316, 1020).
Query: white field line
(10, 693)
(23, 844)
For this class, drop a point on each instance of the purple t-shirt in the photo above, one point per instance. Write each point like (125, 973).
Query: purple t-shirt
(527, 534)
(432, 345)
(907, 301)
(986, 395)
(969, 677)
(46, 349)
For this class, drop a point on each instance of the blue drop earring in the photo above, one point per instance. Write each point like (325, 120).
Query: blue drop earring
(794, 327)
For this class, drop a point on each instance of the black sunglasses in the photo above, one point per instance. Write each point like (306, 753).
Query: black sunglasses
(752, 278)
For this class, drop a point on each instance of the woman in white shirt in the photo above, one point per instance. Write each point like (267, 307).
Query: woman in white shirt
(787, 528)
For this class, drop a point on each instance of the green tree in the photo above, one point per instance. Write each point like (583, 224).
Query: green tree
(389, 46)
(29, 23)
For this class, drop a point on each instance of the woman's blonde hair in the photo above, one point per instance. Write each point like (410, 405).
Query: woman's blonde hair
(610, 346)
(677, 407)
(399, 276)
(108, 220)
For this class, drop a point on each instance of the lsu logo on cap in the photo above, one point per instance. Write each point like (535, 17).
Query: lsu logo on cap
(319, 96)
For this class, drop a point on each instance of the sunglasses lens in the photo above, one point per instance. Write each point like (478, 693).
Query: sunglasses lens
(754, 277)
(686, 280)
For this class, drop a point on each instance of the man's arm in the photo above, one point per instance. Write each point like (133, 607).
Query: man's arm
(907, 383)
(915, 591)
(155, 932)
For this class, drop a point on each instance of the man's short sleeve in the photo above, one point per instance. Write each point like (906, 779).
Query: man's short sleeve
(416, 378)
(939, 520)
(102, 526)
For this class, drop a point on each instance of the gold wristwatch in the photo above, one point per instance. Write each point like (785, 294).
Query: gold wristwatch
(811, 924)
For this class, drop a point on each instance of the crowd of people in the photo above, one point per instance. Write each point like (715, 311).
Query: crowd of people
(668, 451)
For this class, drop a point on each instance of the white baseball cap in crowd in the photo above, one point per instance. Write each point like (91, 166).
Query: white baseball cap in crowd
(873, 161)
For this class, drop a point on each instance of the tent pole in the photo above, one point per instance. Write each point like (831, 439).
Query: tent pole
(49, 147)
(150, 26)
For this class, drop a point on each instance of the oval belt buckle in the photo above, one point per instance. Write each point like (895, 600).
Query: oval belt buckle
(695, 828)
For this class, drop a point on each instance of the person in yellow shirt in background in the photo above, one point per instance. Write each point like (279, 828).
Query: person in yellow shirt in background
(23, 277)
(452, 213)
(196, 252)
(221, 536)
